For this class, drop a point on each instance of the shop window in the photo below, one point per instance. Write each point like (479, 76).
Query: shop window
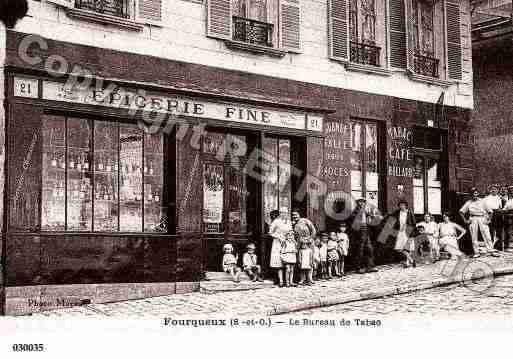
(364, 161)
(277, 185)
(225, 189)
(100, 176)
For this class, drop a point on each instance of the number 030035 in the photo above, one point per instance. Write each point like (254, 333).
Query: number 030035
(28, 347)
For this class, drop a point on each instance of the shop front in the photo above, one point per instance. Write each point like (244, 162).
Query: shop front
(119, 184)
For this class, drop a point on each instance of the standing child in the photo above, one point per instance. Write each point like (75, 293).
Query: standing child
(289, 257)
(317, 258)
(323, 254)
(332, 255)
(230, 262)
(343, 247)
(306, 263)
(249, 263)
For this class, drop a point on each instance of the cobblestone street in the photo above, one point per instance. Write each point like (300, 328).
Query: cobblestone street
(390, 280)
(449, 300)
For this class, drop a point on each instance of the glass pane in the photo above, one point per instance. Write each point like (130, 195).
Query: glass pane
(418, 173)
(435, 200)
(372, 198)
(105, 176)
(270, 174)
(237, 198)
(284, 170)
(213, 200)
(371, 176)
(433, 173)
(212, 143)
(79, 185)
(418, 200)
(130, 186)
(153, 181)
(53, 174)
(356, 157)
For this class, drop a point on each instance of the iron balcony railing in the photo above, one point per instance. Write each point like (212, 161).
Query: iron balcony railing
(118, 8)
(365, 54)
(252, 31)
(425, 65)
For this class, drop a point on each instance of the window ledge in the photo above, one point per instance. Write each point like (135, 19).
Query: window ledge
(104, 19)
(368, 69)
(429, 80)
(256, 49)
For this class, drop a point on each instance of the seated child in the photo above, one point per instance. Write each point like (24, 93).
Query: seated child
(289, 257)
(317, 258)
(306, 263)
(230, 262)
(332, 255)
(249, 263)
(343, 247)
(422, 245)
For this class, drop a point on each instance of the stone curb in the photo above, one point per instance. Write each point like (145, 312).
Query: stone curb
(378, 293)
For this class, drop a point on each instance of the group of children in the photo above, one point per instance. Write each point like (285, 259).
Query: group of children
(319, 258)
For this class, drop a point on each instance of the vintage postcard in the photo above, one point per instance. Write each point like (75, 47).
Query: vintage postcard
(255, 166)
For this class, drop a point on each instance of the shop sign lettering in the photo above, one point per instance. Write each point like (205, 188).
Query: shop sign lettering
(400, 153)
(182, 106)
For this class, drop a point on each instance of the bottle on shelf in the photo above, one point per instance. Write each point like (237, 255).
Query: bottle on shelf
(54, 160)
(83, 190)
(97, 193)
(106, 192)
(79, 163)
(86, 163)
(156, 196)
(71, 161)
(100, 163)
(62, 162)
(108, 166)
(151, 168)
(76, 192)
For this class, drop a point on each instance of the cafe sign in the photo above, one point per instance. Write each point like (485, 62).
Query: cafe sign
(115, 96)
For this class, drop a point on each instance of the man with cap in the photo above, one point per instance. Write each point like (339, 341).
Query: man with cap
(479, 218)
(493, 202)
(359, 220)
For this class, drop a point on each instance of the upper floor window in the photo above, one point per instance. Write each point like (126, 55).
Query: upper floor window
(118, 8)
(362, 30)
(423, 38)
(262, 26)
(254, 21)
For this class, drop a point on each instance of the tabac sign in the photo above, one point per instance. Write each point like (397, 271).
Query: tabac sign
(118, 97)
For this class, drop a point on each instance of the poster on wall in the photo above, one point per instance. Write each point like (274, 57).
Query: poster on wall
(213, 186)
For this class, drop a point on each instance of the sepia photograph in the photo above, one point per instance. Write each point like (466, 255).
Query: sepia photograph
(275, 167)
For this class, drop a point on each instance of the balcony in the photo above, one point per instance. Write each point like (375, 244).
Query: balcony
(425, 66)
(116, 8)
(252, 32)
(365, 54)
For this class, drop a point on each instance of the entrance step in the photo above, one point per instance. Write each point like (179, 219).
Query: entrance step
(216, 282)
(215, 286)
(223, 276)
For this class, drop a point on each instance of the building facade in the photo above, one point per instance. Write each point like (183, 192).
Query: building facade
(492, 119)
(143, 135)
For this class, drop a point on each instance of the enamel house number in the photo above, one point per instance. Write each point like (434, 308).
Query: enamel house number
(24, 87)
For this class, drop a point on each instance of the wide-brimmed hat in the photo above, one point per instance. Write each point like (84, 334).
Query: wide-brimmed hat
(227, 246)
(474, 189)
(361, 199)
(251, 246)
(493, 186)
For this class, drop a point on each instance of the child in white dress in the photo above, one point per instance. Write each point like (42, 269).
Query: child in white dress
(343, 247)
(333, 257)
(230, 262)
(306, 264)
(289, 257)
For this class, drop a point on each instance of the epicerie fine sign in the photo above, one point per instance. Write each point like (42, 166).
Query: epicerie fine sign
(130, 99)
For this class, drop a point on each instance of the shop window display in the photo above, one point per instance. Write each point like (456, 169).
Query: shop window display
(94, 173)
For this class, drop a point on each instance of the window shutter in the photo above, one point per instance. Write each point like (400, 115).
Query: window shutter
(149, 11)
(409, 35)
(397, 34)
(453, 28)
(289, 25)
(219, 19)
(338, 29)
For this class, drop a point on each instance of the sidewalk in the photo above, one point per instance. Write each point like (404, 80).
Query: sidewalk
(390, 280)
